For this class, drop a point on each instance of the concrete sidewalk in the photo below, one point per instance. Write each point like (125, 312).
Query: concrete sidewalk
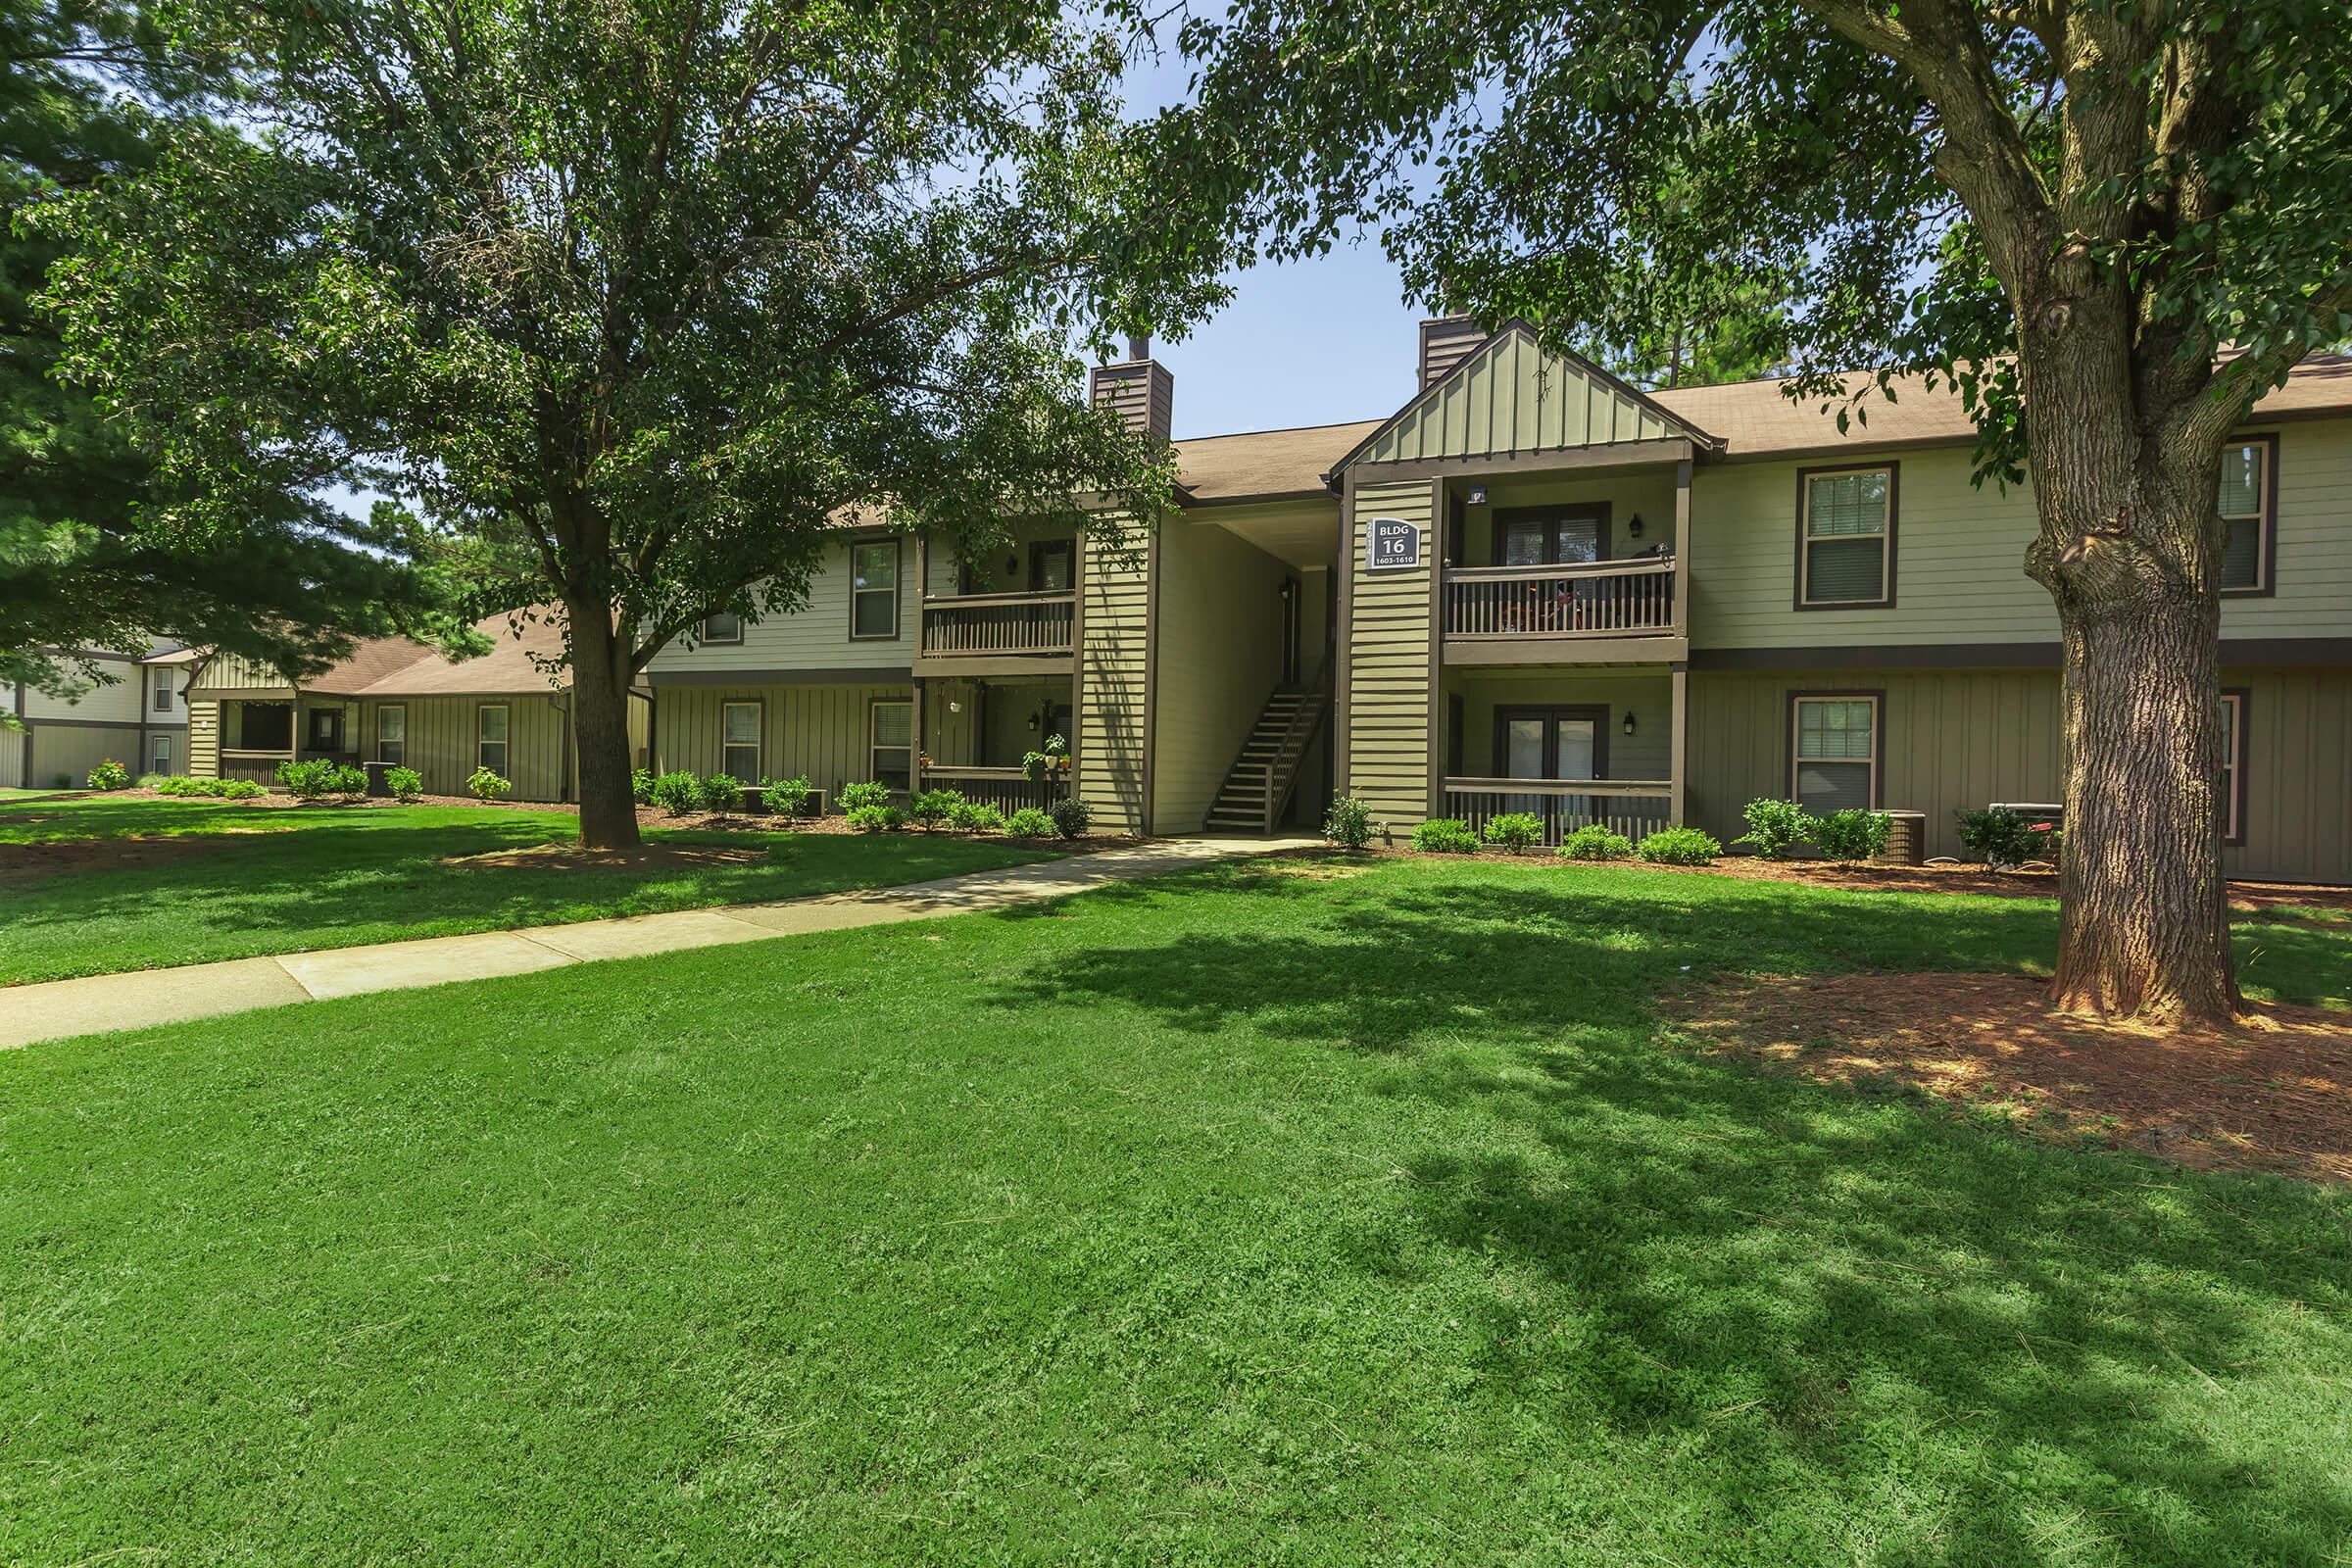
(144, 997)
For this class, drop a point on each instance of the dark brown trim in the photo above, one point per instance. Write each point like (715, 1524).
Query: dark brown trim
(1499, 517)
(505, 771)
(375, 741)
(1342, 648)
(2268, 550)
(88, 723)
(702, 638)
(2235, 652)
(846, 675)
(1651, 453)
(1878, 739)
(1152, 554)
(1598, 713)
(898, 588)
(914, 740)
(759, 730)
(2244, 698)
(1043, 550)
(1895, 492)
(1433, 561)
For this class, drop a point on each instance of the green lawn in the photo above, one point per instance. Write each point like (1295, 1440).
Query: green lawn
(1234, 1217)
(285, 880)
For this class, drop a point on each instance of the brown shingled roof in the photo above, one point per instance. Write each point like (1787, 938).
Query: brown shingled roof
(507, 669)
(1265, 463)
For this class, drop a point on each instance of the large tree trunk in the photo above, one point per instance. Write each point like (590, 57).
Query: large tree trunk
(600, 722)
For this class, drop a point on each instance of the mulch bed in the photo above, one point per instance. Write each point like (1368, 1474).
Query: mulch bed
(24, 861)
(2275, 1093)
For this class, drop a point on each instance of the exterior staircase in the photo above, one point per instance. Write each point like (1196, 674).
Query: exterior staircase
(1258, 787)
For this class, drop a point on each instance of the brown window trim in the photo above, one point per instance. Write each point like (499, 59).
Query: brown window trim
(1878, 738)
(1598, 712)
(2233, 827)
(758, 705)
(2268, 553)
(703, 639)
(898, 588)
(1597, 511)
(505, 745)
(401, 709)
(1042, 550)
(914, 747)
(1894, 495)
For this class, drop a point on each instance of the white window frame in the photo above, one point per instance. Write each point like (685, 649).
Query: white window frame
(1807, 539)
(2233, 779)
(2264, 516)
(726, 763)
(874, 712)
(397, 753)
(897, 572)
(505, 744)
(1797, 702)
(707, 638)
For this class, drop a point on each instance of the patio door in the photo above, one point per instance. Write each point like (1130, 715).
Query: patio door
(1552, 743)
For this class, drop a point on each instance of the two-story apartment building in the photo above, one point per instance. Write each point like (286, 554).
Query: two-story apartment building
(136, 714)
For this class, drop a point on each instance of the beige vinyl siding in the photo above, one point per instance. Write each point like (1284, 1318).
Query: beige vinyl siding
(1389, 660)
(1113, 704)
(2298, 763)
(1644, 755)
(12, 757)
(816, 637)
(1220, 609)
(72, 749)
(204, 740)
(116, 699)
(1511, 397)
(2312, 594)
(441, 737)
(812, 732)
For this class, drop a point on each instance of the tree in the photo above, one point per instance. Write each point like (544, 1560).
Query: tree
(85, 558)
(638, 301)
(2113, 226)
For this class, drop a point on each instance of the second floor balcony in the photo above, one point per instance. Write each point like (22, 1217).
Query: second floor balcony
(998, 626)
(1584, 610)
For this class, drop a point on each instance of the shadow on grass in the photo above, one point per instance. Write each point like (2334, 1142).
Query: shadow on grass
(1806, 1286)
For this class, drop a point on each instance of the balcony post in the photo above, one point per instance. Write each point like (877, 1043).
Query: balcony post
(914, 753)
(1679, 745)
(1682, 559)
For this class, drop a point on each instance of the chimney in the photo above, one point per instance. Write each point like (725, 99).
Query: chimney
(1139, 389)
(1446, 341)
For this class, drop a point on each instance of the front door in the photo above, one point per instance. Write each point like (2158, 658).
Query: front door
(326, 730)
(1049, 562)
(1552, 743)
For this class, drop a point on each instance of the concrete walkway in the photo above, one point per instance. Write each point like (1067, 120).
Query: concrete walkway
(145, 996)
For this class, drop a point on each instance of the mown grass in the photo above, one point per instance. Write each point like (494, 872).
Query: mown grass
(1254, 1215)
(286, 880)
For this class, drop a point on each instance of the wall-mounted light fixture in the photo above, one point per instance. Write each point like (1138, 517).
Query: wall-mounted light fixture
(1478, 495)
(1629, 721)
(1633, 526)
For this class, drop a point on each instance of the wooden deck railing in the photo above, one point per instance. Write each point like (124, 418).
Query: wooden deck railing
(258, 767)
(1007, 789)
(1631, 806)
(998, 624)
(1604, 599)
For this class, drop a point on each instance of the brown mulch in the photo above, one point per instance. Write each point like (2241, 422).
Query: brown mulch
(644, 856)
(2275, 1093)
(19, 861)
(276, 799)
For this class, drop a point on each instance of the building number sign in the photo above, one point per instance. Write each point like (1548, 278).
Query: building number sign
(1394, 543)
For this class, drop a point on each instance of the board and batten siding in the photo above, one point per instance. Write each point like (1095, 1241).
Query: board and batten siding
(816, 732)
(1647, 754)
(1226, 595)
(1114, 682)
(815, 637)
(225, 672)
(1512, 396)
(1389, 658)
(442, 735)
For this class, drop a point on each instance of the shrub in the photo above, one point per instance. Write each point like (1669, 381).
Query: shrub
(876, 818)
(484, 785)
(110, 776)
(348, 779)
(1348, 822)
(1774, 825)
(178, 786)
(1998, 835)
(232, 789)
(1853, 834)
(790, 797)
(1054, 759)
(933, 808)
(1515, 831)
(153, 781)
(60, 781)
(1029, 823)
(307, 781)
(1679, 846)
(405, 783)
(720, 792)
(641, 784)
(1445, 835)
(856, 797)
(1593, 842)
(977, 816)
(1071, 816)
(676, 792)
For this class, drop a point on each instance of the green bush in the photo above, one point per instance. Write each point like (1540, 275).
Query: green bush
(1053, 759)
(315, 780)
(1071, 816)
(1679, 846)
(856, 797)
(934, 809)
(151, 781)
(1445, 835)
(641, 784)
(1515, 831)
(676, 792)
(876, 818)
(183, 786)
(1029, 823)
(1348, 822)
(791, 797)
(60, 781)
(1997, 836)
(1853, 834)
(1593, 842)
(485, 785)
(977, 816)
(110, 776)
(405, 783)
(233, 789)
(721, 792)
(1775, 825)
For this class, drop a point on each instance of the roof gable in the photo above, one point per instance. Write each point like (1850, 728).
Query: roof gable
(1509, 396)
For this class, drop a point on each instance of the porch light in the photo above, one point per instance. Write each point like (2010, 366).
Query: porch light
(1478, 495)
(1633, 526)
(1629, 721)
(955, 707)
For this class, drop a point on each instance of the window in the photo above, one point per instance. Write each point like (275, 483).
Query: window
(262, 726)
(739, 741)
(392, 734)
(2233, 777)
(159, 754)
(890, 742)
(874, 589)
(2245, 507)
(163, 691)
(722, 629)
(490, 737)
(1845, 538)
(326, 730)
(1550, 536)
(1050, 565)
(1836, 763)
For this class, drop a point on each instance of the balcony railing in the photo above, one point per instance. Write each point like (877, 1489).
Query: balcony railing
(975, 624)
(1604, 599)
(1007, 789)
(1631, 806)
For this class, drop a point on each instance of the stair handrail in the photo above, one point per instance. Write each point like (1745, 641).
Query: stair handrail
(1300, 726)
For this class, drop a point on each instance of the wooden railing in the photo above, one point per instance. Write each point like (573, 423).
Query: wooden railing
(1631, 806)
(258, 767)
(1007, 789)
(998, 624)
(1605, 598)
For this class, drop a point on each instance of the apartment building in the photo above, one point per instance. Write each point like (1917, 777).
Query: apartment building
(136, 715)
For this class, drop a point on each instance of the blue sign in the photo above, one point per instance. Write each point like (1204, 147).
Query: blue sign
(1393, 542)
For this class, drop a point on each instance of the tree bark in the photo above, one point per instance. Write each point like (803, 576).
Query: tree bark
(599, 723)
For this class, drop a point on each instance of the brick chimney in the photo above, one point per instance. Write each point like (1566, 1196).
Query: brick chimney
(1139, 389)
(1446, 341)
